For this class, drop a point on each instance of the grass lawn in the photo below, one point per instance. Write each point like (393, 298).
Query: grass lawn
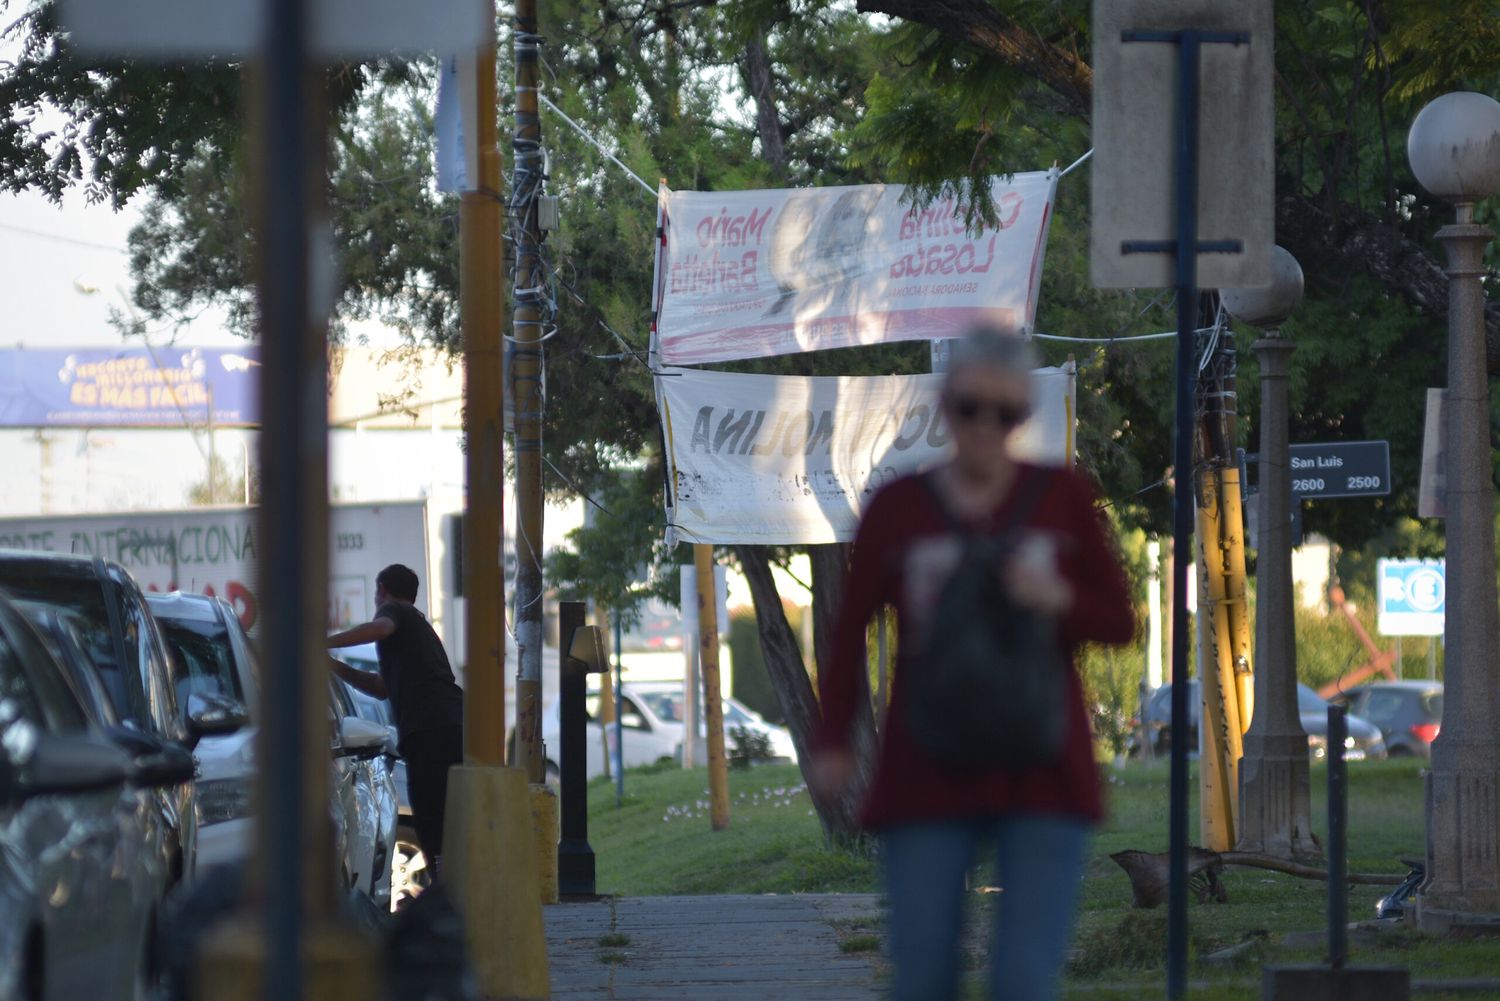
(660, 842)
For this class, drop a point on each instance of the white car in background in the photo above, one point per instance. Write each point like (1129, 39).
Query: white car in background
(663, 700)
(652, 724)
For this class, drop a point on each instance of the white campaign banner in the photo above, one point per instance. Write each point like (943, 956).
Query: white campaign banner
(787, 460)
(750, 274)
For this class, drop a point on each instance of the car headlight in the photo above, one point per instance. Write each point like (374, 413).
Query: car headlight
(222, 799)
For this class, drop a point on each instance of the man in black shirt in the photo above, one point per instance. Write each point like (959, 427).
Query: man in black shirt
(425, 699)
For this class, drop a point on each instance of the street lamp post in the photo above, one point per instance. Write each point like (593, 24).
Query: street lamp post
(1275, 810)
(1454, 150)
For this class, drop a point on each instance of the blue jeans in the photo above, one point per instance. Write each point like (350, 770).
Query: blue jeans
(1041, 862)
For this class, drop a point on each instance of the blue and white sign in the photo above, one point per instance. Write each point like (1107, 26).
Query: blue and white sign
(1412, 595)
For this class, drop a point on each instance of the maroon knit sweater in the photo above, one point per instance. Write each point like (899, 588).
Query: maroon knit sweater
(902, 554)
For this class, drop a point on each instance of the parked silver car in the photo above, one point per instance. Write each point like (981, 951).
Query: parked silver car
(365, 785)
(217, 659)
(211, 657)
(83, 870)
(409, 873)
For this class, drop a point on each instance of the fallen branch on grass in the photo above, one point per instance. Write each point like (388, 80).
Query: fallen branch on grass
(1150, 873)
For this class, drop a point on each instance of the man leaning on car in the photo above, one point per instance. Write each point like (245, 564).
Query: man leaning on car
(427, 703)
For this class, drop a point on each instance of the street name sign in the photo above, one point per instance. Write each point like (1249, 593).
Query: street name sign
(1412, 597)
(1341, 469)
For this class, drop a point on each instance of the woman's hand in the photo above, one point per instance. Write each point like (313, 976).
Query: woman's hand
(1032, 580)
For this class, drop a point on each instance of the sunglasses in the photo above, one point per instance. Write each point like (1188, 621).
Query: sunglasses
(1005, 415)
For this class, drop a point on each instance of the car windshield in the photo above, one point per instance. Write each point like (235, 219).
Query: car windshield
(80, 600)
(1432, 702)
(665, 706)
(203, 658)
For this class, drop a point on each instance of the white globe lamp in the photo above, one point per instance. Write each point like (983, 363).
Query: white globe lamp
(1268, 307)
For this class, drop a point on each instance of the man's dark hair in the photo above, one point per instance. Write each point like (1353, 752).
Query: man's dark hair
(399, 581)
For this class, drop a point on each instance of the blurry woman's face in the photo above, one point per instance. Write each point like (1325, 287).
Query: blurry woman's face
(983, 407)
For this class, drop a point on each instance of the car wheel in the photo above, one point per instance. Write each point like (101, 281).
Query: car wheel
(409, 873)
(1398, 751)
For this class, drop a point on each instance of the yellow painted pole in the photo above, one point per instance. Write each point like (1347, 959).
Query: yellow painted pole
(480, 222)
(713, 700)
(1236, 584)
(1218, 765)
(489, 861)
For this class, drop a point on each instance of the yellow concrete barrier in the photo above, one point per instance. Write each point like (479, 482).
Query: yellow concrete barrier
(339, 963)
(545, 827)
(489, 865)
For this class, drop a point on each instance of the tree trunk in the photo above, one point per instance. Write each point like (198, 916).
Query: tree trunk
(767, 116)
(830, 564)
(794, 690)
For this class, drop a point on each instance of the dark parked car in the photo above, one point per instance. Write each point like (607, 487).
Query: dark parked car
(1364, 741)
(107, 614)
(1409, 713)
(84, 873)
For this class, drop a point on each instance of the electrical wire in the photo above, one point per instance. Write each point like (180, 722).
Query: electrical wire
(596, 144)
(1107, 340)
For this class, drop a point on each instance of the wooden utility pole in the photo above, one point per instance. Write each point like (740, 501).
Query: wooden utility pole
(713, 700)
(489, 859)
(526, 386)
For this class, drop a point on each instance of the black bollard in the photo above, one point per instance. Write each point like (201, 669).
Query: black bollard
(1337, 980)
(1338, 839)
(575, 857)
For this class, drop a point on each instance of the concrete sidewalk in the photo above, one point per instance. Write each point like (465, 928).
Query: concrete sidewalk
(719, 948)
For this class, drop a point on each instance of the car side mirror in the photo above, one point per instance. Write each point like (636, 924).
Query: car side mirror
(212, 715)
(42, 764)
(170, 765)
(633, 721)
(360, 737)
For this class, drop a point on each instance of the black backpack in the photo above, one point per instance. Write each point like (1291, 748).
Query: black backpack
(988, 689)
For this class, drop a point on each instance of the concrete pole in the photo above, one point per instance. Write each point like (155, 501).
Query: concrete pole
(1463, 794)
(688, 595)
(1275, 810)
(713, 698)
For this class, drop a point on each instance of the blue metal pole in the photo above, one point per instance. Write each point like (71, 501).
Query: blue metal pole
(1183, 509)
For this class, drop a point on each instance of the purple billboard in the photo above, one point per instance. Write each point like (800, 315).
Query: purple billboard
(167, 387)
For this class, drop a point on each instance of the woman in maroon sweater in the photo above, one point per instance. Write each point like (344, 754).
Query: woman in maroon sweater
(933, 821)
